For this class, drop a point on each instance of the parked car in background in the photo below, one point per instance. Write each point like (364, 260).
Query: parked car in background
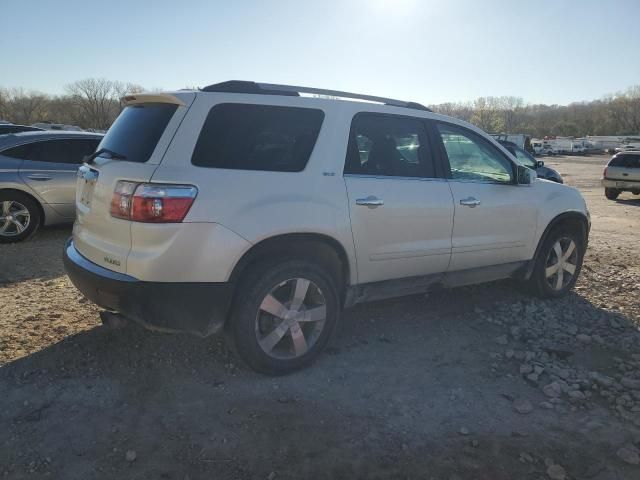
(530, 161)
(628, 147)
(622, 174)
(250, 209)
(38, 179)
(6, 128)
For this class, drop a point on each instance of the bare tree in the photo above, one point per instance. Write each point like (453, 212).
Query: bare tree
(24, 107)
(97, 101)
(484, 114)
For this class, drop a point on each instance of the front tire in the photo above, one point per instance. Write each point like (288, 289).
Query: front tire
(611, 193)
(19, 217)
(558, 263)
(284, 315)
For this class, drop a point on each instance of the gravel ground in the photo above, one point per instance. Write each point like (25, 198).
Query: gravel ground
(481, 382)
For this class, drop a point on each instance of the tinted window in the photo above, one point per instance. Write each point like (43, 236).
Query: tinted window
(473, 158)
(21, 152)
(257, 137)
(626, 161)
(62, 151)
(55, 151)
(388, 146)
(136, 131)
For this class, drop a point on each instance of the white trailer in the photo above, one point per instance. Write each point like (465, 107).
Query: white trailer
(562, 144)
(579, 146)
(604, 143)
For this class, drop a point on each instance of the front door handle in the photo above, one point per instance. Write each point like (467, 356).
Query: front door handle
(370, 201)
(39, 177)
(470, 202)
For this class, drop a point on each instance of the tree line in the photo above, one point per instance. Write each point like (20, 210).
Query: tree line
(92, 103)
(617, 114)
(95, 103)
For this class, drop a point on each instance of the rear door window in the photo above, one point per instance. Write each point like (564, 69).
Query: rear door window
(257, 137)
(62, 151)
(389, 146)
(136, 131)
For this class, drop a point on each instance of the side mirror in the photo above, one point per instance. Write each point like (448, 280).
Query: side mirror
(526, 176)
(539, 164)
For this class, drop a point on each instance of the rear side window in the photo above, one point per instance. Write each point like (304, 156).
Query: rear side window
(388, 146)
(626, 161)
(67, 150)
(136, 131)
(257, 137)
(21, 152)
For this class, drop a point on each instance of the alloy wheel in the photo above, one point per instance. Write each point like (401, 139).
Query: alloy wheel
(291, 318)
(14, 218)
(562, 260)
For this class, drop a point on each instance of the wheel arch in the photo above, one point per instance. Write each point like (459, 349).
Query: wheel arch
(577, 219)
(32, 197)
(322, 248)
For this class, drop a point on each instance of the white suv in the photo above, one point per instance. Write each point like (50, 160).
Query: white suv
(250, 207)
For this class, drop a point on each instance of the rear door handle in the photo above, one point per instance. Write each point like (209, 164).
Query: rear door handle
(40, 177)
(370, 201)
(470, 202)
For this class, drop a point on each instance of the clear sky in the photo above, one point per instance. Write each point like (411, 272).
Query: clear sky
(546, 51)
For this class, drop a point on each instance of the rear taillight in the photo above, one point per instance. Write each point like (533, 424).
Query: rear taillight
(121, 200)
(152, 202)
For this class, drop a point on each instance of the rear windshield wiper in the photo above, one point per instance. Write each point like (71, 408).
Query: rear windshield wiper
(113, 155)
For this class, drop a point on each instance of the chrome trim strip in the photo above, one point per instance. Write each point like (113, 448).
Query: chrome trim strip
(387, 177)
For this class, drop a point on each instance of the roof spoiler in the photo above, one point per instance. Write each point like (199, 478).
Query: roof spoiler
(138, 98)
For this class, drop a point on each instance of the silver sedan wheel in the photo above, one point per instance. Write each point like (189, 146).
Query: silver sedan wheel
(291, 318)
(14, 218)
(561, 263)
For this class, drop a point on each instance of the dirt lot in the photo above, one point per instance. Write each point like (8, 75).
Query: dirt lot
(474, 383)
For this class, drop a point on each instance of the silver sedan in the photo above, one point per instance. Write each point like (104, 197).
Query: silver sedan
(38, 179)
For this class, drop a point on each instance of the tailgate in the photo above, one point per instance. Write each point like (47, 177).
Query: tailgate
(627, 174)
(135, 145)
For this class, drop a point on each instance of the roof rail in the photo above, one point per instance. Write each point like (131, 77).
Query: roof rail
(240, 86)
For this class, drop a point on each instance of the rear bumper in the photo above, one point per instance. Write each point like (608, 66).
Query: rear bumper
(621, 184)
(199, 308)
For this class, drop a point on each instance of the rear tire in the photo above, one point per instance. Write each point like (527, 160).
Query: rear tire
(558, 263)
(611, 193)
(19, 217)
(283, 315)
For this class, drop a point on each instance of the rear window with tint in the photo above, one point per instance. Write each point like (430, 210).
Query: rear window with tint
(627, 161)
(136, 131)
(257, 137)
